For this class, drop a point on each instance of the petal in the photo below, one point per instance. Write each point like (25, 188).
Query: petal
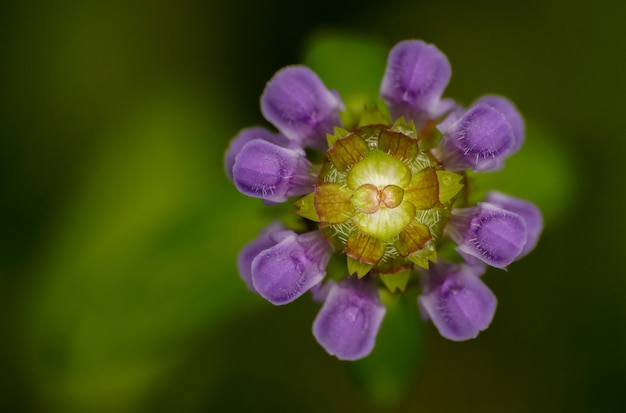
(456, 300)
(267, 171)
(244, 136)
(527, 210)
(350, 318)
(415, 77)
(480, 139)
(493, 235)
(287, 270)
(249, 252)
(296, 101)
(511, 114)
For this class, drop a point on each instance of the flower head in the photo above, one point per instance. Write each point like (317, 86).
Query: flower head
(387, 195)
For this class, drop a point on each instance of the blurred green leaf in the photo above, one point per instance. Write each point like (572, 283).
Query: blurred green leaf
(354, 65)
(397, 281)
(143, 260)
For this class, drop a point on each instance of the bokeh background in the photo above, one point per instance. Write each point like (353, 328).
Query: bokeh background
(119, 229)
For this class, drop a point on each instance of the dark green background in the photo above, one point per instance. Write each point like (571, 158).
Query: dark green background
(119, 230)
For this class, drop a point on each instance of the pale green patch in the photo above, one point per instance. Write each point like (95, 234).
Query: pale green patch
(379, 169)
(358, 268)
(423, 256)
(407, 128)
(397, 281)
(385, 223)
(449, 185)
(306, 207)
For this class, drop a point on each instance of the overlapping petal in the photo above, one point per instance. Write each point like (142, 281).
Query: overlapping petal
(480, 140)
(290, 268)
(456, 300)
(525, 209)
(248, 134)
(270, 172)
(300, 106)
(350, 318)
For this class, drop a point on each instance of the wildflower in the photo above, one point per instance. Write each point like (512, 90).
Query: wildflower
(386, 194)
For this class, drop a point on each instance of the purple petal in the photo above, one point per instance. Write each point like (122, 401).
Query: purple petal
(416, 75)
(456, 300)
(480, 139)
(493, 235)
(350, 318)
(290, 268)
(296, 101)
(249, 252)
(527, 210)
(267, 171)
(511, 114)
(244, 136)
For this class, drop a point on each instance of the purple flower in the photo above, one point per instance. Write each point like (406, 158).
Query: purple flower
(268, 171)
(527, 210)
(480, 139)
(285, 271)
(456, 300)
(382, 198)
(416, 75)
(350, 318)
(296, 101)
(491, 234)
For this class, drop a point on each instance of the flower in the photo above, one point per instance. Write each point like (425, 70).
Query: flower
(387, 195)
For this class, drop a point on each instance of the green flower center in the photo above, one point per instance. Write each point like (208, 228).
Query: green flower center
(380, 199)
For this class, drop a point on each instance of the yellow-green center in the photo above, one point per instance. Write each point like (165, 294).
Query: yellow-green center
(379, 197)
(378, 183)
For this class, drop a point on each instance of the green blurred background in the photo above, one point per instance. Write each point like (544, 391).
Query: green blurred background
(119, 229)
